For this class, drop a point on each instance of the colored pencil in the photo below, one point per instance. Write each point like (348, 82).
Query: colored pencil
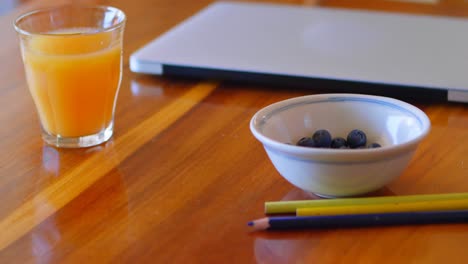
(282, 207)
(419, 206)
(360, 220)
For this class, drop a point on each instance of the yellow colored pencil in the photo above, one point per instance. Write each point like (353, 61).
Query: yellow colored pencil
(419, 206)
(281, 207)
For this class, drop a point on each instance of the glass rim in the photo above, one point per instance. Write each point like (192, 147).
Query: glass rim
(48, 9)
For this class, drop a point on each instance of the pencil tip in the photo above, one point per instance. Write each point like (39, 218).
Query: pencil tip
(251, 223)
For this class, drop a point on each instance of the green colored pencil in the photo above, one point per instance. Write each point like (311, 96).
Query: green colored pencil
(282, 207)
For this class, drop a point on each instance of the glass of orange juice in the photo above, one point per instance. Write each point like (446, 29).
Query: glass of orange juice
(72, 56)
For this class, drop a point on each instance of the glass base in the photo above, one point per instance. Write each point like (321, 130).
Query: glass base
(79, 142)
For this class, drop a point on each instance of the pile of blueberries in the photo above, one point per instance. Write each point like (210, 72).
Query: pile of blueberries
(321, 138)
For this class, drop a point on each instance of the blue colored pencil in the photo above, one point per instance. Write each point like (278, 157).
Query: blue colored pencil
(358, 220)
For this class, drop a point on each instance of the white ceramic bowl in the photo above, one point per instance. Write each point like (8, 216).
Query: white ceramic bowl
(398, 126)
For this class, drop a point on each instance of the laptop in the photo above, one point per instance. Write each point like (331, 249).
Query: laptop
(292, 45)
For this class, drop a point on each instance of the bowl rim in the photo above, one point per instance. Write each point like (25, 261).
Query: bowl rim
(329, 154)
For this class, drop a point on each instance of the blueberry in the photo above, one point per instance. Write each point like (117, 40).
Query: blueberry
(356, 138)
(339, 142)
(322, 138)
(306, 142)
(374, 145)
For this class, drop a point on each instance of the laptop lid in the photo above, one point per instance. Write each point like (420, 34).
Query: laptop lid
(273, 42)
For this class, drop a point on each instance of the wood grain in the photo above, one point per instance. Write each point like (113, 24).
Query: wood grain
(70, 185)
(182, 174)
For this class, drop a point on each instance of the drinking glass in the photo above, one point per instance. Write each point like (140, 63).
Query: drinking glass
(72, 56)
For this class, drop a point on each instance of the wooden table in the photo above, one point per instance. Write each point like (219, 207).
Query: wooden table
(182, 174)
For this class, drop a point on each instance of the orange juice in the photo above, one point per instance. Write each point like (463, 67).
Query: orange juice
(74, 80)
